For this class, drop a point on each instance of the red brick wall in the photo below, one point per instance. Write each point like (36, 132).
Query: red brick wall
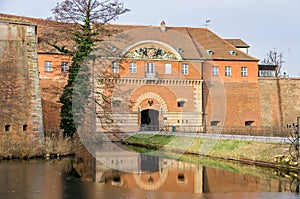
(232, 99)
(52, 85)
(194, 71)
(236, 66)
(166, 93)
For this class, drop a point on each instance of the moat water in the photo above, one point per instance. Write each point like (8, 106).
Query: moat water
(156, 178)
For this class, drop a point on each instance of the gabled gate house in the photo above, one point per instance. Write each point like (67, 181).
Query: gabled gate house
(172, 78)
(179, 78)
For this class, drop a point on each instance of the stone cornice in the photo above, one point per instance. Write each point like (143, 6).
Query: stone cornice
(155, 81)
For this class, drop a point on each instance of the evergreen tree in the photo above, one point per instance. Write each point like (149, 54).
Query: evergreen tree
(83, 14)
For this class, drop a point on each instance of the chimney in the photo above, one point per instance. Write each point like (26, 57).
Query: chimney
(163, 26)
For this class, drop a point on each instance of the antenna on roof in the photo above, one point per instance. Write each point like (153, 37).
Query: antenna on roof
(207, 21)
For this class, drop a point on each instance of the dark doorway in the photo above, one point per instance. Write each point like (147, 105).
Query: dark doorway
(149, 120)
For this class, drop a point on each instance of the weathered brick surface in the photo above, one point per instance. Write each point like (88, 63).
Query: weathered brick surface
(20, 101)
(270, 101)
(232, 103)
(51, 90)
(231, 100)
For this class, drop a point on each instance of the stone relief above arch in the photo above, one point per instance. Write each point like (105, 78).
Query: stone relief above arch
(150, 95)
(151, 49)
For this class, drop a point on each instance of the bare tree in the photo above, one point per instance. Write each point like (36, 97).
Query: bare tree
(85, 20)
(275, 59)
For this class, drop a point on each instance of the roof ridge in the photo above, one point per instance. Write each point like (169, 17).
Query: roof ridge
(11, 17)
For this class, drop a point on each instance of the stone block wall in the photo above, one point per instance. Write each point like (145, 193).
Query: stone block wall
(20, 101)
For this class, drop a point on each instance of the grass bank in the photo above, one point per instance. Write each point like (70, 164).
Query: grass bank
(232, 166)
(238, 150)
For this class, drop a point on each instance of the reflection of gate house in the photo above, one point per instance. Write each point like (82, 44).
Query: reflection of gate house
(158, 85)
(153, 173)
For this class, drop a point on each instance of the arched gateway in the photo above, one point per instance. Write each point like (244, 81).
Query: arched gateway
(153, 78)
(149, 120)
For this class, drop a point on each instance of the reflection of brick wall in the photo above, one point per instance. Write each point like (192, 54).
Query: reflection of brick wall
(20, 101)
(269, 100)
(221, 181)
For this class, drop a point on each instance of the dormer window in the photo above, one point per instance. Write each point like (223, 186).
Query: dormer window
(179, 50)
(209, 52)
(232, 53)
(114, 48)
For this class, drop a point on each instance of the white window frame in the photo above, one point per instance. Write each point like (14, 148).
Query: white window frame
(132, 67)
(267, 73)
(115, 67)
(227, 71)
(150, 68)
(184, 69)
(215, 70)
(64, 66)
(244, 71)
(168, 68)
(48, 66)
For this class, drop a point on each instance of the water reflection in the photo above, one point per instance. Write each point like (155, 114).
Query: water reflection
(165, 175)
(32, 179)
(154, 177)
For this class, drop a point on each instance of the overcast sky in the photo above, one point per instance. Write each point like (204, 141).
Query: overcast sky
(263, 24)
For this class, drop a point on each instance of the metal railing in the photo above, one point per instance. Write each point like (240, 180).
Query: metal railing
(269, 131)
(151, 75)
(150, 128)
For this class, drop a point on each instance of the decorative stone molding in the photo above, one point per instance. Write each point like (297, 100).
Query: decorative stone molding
(151, 49)
(142, 81)
(150, 95)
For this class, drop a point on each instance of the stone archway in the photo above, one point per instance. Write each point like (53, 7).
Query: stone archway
(150, 95)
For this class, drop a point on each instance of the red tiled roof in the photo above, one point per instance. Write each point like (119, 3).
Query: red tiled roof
(194, 42)
(238, 43)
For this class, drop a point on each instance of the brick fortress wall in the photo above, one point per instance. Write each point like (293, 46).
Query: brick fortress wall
(20, 101)
(270, 100)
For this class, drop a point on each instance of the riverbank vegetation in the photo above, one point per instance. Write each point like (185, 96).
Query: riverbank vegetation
(222, 148)
(15, 146)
